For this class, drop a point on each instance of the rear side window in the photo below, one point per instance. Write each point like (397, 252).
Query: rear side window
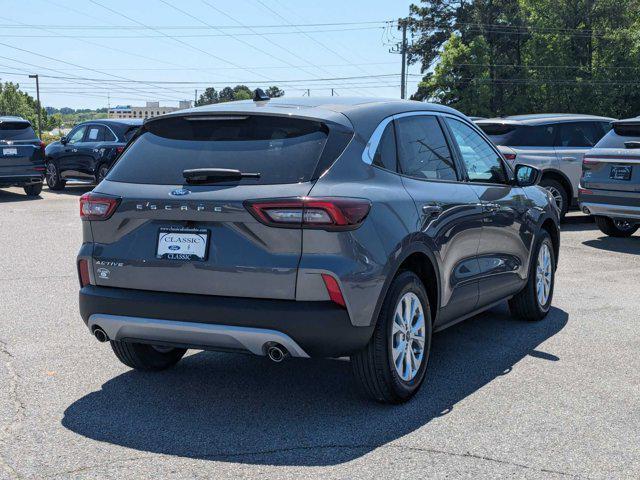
(280, 149)
(386, 154)
(128, 134)
(423, 150)
(95, 133)
(16, 131)
(520, 135)
(582, 134)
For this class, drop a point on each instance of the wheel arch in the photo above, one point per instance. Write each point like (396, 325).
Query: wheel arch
(547, 224)
(562, 178)
(419, 259)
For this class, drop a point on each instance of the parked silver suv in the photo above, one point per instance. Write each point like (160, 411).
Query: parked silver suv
(554, 143)
(311, 227)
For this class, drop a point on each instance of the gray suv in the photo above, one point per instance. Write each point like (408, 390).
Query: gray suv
(553, 142)
(311, 228)
(610, 184)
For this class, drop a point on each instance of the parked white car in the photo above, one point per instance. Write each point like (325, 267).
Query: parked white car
(555, 143)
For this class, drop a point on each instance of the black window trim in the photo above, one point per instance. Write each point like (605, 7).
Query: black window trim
(374, 142)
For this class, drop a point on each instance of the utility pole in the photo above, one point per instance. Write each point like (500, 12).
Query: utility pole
(39, 106)
(402, 48)
(403, 70)
(195, 98)
(332, 92)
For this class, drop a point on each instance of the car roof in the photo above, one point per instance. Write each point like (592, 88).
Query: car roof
(112, 121)
(543, 119)
(628, 120)
(359, 112)
(12, 118)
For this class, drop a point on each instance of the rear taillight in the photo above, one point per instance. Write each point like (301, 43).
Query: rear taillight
(584, 191)
(119, 150)
(83, 272)
(94, 206)
(588, 161)
(510, 156)
(331, 213)
(333, 289)
(42, 147)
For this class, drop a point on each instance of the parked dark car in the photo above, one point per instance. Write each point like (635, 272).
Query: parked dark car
(21, 156)
(610, 183)
(311, 228)
(88, 151)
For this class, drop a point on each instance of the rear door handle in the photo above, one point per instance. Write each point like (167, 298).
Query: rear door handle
(569, 159)
(431, 210)
(490, 207)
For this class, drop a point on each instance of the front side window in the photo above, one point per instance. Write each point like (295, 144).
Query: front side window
(76, 135)
(482, 162)
(386, 154)
(423, 150)
(579, 134)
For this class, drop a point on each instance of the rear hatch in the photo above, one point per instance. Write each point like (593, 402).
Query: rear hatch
(170, 234)
(20, 150)
(614, 163)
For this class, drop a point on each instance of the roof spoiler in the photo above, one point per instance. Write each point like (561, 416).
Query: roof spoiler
(627, 128)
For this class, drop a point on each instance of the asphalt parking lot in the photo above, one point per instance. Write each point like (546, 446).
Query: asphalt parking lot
(503, 398)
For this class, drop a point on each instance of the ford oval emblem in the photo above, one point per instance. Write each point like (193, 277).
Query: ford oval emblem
(174, 247)
(179, 192)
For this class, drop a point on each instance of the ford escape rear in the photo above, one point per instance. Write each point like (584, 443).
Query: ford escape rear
(311, 227)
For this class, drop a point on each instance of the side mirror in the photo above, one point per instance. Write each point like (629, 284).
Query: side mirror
(526, 175)
(63, 140)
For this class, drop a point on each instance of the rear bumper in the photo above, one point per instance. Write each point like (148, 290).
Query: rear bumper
(315, 329)
(612, 204)
(20, 180)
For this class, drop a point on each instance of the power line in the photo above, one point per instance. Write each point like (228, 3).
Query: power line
(186, 27)
(203, 35)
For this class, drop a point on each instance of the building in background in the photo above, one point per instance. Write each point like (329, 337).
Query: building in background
(151, 109)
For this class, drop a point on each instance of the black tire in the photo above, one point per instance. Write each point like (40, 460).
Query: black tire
(373, 367)
(103, 169)
(525, 304)
(146, 357)
(609, 227)
(52, 176)
(559, 193)
(33, 190)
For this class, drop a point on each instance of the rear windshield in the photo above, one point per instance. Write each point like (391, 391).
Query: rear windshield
(281, 149)
(621, 133)
(16, 131)
(520, 135)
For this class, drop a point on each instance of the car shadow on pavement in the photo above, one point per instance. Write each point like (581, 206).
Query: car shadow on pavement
(239, 408)
(72, 190)
(578, 223)
(6, 197)
(619, 245)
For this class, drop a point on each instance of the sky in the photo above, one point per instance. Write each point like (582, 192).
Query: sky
(96, 53)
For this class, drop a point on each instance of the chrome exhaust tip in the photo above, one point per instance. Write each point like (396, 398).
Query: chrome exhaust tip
(276, 352)
(100, 335)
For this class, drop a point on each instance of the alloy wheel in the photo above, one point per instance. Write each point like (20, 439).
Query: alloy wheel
(622, 224)
(557, 196)
(51, 174)
(408, 336)
(544, 275)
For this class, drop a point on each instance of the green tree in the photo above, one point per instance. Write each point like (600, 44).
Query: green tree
(242, 92)
(208, 97)
(500, 57)
(274, 92)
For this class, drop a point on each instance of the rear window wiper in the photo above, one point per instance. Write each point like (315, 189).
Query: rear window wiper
(212, 175)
